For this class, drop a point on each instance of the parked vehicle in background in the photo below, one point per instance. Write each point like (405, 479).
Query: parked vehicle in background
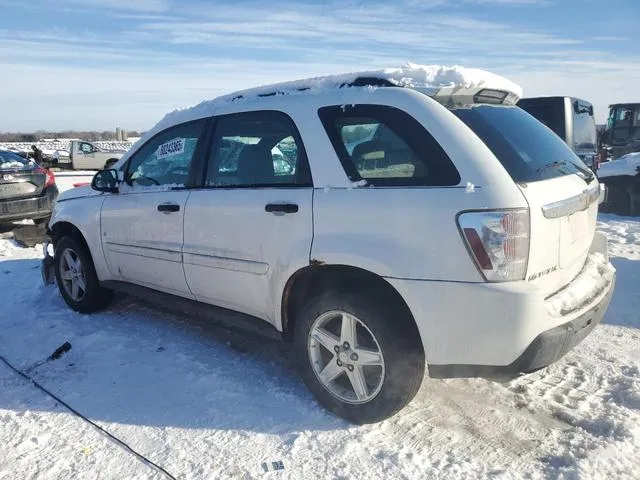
(572, 120)
(85, 155)
(459, 240)
(27, 190)
(622, 179)
(621, 133)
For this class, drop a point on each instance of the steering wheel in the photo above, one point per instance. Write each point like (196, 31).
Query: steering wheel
(142, 177)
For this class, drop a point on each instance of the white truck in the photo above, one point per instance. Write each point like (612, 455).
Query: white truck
(85, 155)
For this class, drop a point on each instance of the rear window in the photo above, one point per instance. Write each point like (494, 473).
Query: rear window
(12, 161)
(584, 126)
(549, 111)
(526, 149)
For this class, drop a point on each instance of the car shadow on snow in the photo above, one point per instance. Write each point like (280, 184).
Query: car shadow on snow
(26, 234)
(132, 364)
(624, 309)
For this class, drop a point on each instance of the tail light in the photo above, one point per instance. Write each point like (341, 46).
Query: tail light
(50, 177)
(498, 242)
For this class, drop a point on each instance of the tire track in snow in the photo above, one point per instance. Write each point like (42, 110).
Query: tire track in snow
(459, 419)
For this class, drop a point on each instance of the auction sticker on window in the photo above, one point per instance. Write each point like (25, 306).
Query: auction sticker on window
(172, 147)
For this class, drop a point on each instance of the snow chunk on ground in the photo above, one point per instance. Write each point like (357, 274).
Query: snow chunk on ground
(628, 164)
(595, 277)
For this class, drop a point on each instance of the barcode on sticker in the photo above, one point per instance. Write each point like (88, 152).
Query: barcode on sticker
(272, 466)
(172, 147)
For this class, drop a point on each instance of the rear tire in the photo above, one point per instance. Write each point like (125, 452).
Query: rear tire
(76, 277)
(332, 370)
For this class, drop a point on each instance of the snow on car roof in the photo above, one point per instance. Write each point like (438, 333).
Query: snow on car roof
(429, 79)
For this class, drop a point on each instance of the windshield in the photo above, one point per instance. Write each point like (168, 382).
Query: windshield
(12, 161)
(525, 147)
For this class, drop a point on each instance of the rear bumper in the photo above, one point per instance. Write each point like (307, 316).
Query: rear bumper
(499, 330)
(29, 208)
(547, 348)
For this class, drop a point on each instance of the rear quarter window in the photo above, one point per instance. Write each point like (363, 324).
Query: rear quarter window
(386, 146)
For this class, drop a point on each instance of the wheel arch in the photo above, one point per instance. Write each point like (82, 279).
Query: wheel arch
(316, 278)
(63, 229)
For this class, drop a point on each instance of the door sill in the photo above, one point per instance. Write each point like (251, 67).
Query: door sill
(229, 319)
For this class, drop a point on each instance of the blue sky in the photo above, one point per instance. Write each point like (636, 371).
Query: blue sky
(95, 64)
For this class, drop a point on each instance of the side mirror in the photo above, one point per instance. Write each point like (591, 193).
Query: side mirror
(105, 181)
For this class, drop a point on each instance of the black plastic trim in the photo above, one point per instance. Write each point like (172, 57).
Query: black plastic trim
(229, 319)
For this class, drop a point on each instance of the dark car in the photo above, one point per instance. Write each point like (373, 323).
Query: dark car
(27, 191)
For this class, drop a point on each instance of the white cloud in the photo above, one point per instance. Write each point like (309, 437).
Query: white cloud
(180, 56)
(510, 2)
(133, 5)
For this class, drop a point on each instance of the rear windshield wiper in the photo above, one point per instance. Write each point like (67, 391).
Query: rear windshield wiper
(585, 171)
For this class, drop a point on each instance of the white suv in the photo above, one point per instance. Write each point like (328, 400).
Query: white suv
(385, 223)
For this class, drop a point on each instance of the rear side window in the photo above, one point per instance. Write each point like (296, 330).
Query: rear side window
(525, 148)
(387, 147)
(257, 149)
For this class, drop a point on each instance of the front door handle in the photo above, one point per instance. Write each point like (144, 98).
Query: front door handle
(281, 207)
(168, 207)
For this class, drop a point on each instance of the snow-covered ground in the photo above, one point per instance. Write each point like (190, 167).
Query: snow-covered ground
(66, 179)
(201, 407)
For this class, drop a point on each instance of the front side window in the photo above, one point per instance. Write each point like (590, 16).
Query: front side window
(257, 149)
(386, 146)
(87, 148)
(166, 158)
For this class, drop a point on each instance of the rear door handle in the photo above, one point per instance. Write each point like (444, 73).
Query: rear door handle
(281, 207)
(168, 207)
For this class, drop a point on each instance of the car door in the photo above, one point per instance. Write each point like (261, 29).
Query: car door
(250, 226)
(142, 225)
(84, 156)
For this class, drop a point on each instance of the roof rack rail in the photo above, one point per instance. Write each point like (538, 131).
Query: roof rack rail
(369, 81)
(358, 82)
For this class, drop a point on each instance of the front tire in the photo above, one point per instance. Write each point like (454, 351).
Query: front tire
(76, 277)
(362, 358)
